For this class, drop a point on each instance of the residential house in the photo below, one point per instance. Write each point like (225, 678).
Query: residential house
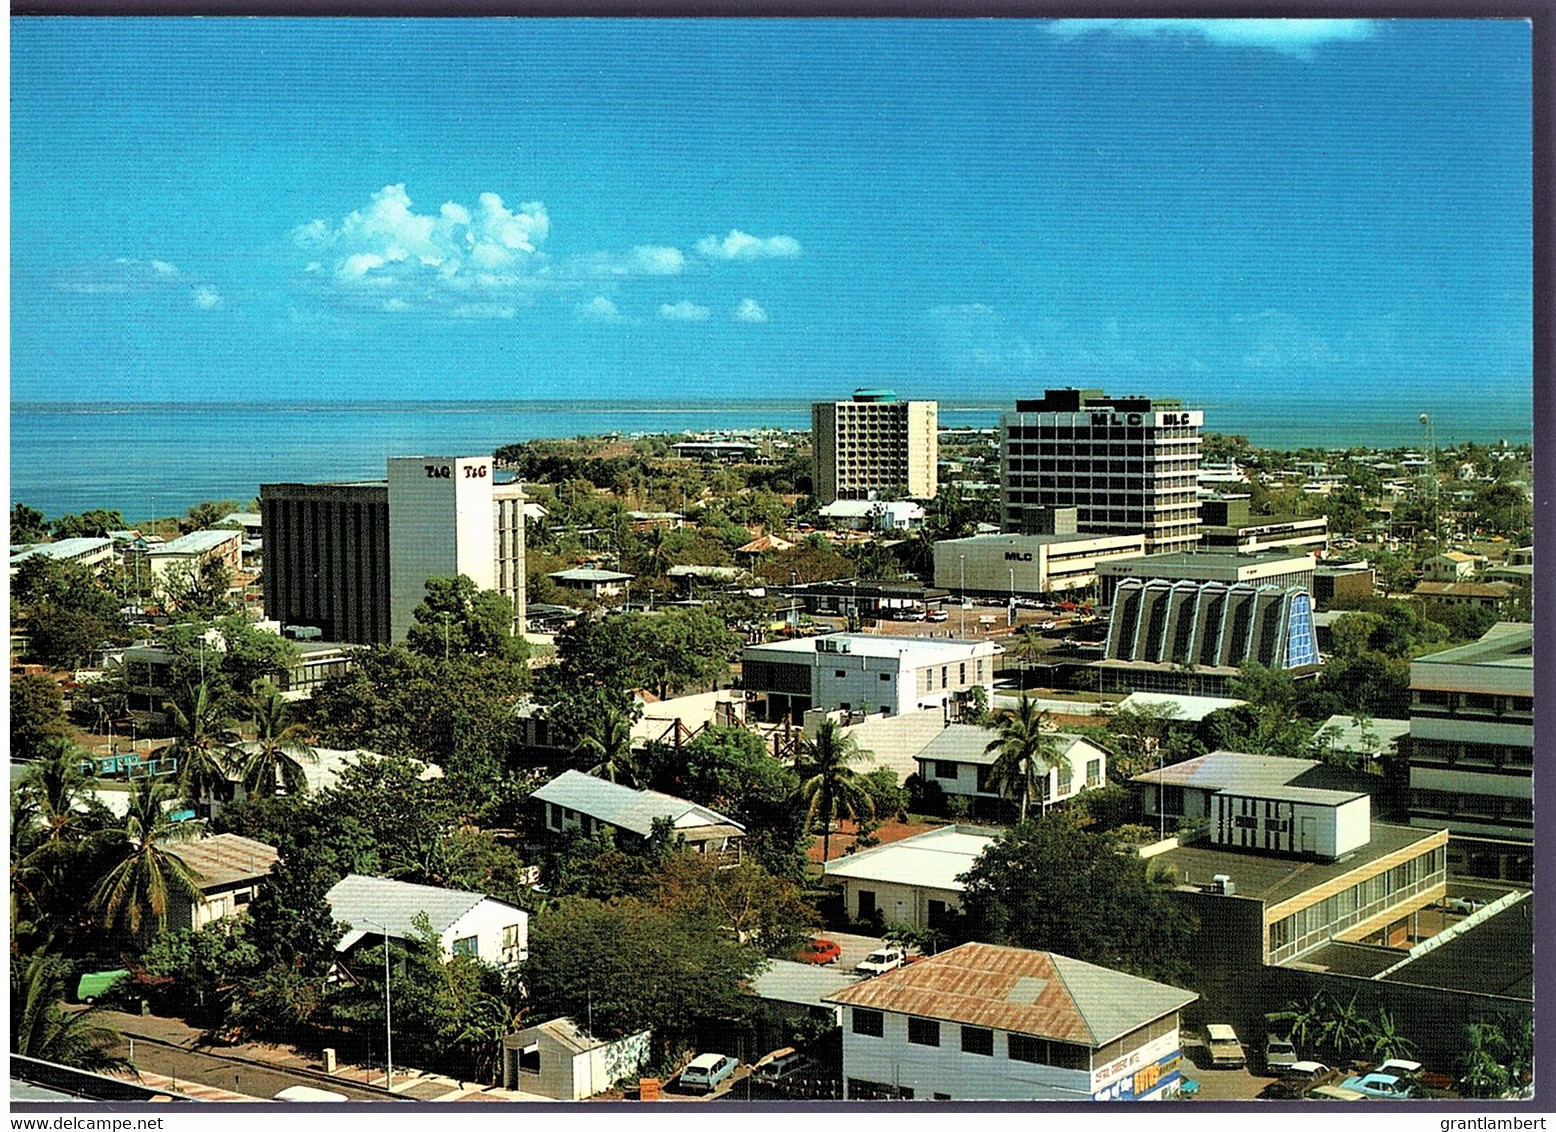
(593, 582)
(1452, 566)
(959, 762)
(465, 923)
(915, 881)
(574, 800)
(230, 871)
(987, 1023)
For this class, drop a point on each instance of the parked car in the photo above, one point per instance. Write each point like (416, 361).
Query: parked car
(1464, 905)
(1044, 626)
(1226, 1052)
(94, 984)
(1305, 1072)
(879, 962)
(307, 1094)
(706, 1072)
(820, 952)
(781, 1064)
(1400, 1067)
(1279, 1053)
(937, 615)
(1335, 1093)
(1383, 1085)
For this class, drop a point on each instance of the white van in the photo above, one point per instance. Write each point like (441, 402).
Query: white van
(307, 1094)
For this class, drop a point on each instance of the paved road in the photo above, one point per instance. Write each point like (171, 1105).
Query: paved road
(183, 1066)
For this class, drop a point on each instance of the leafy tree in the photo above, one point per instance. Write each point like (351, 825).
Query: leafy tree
(27, 525)
(66, 609)
(135, 893)
(203, 516)
(458, 618)
(887, 800)
(1026, 749)
(41, 1029)
(200, 591)
(249, 655)
(975, 709)
(828, 784)
(1049, 885)
(747, 900)
(198, 974)
(1483, 1065)
(274, 760)
(1141, 739)
(629, 966)
(37, 715)
(88, 524)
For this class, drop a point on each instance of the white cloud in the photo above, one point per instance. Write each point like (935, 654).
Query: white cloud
(684, 311)
(207, 298)
(645, 259)
(750, 310)
(486, 248)
(1296, 38)
(599, 309)
(743, 246)
(163, 267)
(483, 310)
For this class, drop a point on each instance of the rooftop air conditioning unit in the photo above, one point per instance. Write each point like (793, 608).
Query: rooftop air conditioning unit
(1224, 884)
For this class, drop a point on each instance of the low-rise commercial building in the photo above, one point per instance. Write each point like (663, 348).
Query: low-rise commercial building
(1228, 528)
(866, 673)
(987, 1023)
(1472, 749)
(1278, 568)
(1341, 581)
(93, 552)
(959, 762)
(1029, 565)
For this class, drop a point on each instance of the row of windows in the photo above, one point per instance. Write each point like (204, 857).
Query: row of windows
(1102, 431)
(1472, 701)
(1497, 755)
(1448, 804)
(979, 1041)
(1361, 900)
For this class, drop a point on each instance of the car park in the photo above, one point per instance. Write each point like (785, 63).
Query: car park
(1335, 1093)
(820, 952)
(706, 1072)
(881, 961)
(1382, 1085)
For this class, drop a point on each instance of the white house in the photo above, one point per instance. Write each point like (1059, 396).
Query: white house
(866, 673)
(594, 582)
(466, 923)
(230, 870)
(873, 515)
(987, 1023)
(958, 761)
(558, 1059)
(575, 800)
(913, 881)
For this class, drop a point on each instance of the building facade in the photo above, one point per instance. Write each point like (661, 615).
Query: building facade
(1127, 464)
(442, 524)
(874, 444)
(1230, 529)
(1472, 749)
(1278, 568)
(959, 762)
(865, 673)
(987, 1023)
(1029, 565)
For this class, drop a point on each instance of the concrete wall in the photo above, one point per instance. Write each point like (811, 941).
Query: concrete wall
(486, 922)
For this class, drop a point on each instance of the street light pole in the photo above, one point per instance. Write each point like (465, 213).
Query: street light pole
(388, 1020)
(1011, 619)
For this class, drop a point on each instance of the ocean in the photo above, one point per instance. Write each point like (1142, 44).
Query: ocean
(150, 460)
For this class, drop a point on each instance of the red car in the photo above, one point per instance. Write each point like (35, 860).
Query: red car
(820, 952)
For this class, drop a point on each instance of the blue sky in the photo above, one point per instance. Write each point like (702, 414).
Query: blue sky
(970, 210)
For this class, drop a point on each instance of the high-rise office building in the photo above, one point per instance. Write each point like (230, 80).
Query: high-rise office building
(874, 447)
(1126, 464)
(352, 559)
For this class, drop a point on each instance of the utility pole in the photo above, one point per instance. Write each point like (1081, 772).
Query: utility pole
(1431, 476)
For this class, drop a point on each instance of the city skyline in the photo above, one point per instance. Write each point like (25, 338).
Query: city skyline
(605, 209)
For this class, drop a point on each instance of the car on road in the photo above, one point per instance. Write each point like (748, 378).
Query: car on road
(307, 1094)
(1226, 1052)
(820, 952)
(1044, 626)
(706, 1072)
(879, 962)
(1279, 1053)
(1382, 1085)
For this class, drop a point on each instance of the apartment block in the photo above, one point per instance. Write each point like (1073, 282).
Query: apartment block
(874, 446)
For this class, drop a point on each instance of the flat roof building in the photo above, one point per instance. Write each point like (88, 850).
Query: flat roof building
(1127, 464)
(1029, 565)
(1277, 568)
(1229, 528)
(865, 673)
(913, 881)
(874, 445)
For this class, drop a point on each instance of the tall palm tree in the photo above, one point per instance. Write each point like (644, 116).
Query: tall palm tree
(1026, 749)
(827, 781)
(41, 1030)
(135, 892)
(1383, 1037)
(274, 761)
(609, 748)
(54, 785)
(203, 739)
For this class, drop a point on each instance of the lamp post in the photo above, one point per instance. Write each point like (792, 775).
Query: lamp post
(962, 558)
(1011, 616)
(388, 1022)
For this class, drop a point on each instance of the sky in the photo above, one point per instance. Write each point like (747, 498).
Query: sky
(256, 210)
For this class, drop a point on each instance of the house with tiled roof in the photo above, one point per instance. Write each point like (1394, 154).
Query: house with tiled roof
(985, 1023)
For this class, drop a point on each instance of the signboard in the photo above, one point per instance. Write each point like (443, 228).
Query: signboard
(1147, 1078)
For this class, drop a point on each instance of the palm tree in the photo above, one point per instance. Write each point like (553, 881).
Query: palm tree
(827, 783)
(274, 761)
(609, 748)
(1383, 1038)
(204, 736)
(41, 1030)
(1026, 749)
(54, 785)
(136, 890)
(1483, 1061)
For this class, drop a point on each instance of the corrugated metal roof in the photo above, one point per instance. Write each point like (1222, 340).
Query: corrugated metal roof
(1025, 992)
(225, 858)
(622, 806)
(930, 860)
(377, 905)
(803, 984)
(964, 743)
(1232, 771)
